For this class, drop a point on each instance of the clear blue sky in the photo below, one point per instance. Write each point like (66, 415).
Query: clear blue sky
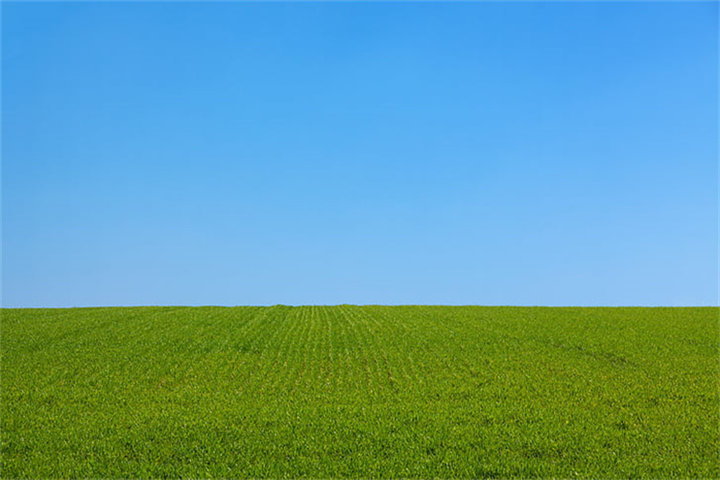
(388, 153)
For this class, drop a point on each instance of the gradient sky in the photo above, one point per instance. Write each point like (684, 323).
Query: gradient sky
(370, 153)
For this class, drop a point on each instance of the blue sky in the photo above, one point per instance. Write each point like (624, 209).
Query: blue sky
(372, 153)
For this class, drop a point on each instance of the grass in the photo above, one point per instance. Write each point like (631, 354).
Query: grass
(362, 392)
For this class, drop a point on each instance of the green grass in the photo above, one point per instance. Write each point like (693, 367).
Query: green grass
(362, 392)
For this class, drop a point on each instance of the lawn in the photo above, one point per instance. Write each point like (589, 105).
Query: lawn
(360, 392)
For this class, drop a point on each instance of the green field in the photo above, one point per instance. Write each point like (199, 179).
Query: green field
(362, 392)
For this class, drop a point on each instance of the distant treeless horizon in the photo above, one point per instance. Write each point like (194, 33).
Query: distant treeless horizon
(320, 153)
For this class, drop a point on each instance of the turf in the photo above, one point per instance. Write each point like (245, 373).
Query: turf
(362, 392)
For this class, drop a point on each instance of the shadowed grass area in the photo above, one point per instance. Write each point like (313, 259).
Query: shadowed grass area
(364, 392)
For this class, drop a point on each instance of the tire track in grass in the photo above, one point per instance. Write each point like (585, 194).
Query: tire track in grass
(412, 347)
(339, 344)
(374, 349)
(295, 354)
(326, 350)
(397, 317)
(351, 380)
(315, 339)
(269, 337)
(247, 347)
(220, 348)
(315, 347)
(441, 351)
(451, 357)
(301, 357)
(370, 351)
(171, 354)
(191, 342)
(353, 375)
(395, 332)
(328, 342)
(294, 363)
(307, 348)
(341, 354)
(417, 323)
(328, 338)
(361, 352)
(396, 335)
(258, 342)
(321, 352)
(242, 349)
(285, 365)
(271, 371)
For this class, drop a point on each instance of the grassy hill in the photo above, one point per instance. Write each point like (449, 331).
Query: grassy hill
(348, 391)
